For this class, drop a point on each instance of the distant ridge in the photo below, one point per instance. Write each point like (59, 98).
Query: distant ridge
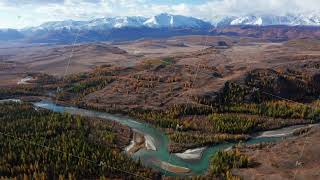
(160, 21)
(312, 19)
(167, 25)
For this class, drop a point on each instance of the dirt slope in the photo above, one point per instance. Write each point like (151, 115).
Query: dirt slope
(297, 158)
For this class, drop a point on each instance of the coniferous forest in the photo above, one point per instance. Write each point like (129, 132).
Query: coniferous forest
(39, 144)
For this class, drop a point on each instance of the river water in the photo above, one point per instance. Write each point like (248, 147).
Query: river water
(160, 140)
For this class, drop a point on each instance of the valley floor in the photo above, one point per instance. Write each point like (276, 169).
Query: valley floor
(198, 95)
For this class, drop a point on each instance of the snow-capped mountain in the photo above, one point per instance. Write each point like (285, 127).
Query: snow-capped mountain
(160, 21)
(176, 21)
(312, 19)
(247, 20)
(162, 26)
(116, 22)
(57, 25)
(95, 24)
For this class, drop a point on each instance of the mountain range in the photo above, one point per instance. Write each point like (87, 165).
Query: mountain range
(177, 21)
(159, 21)
(135, 27)
(312, 19)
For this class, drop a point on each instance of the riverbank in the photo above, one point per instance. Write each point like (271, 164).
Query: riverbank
(137, 143)
(140, 141)
(10, 100)
(171, 168)
(295, 158)
(287, 131)
(191, 154)
(196, 153)
(25, 80)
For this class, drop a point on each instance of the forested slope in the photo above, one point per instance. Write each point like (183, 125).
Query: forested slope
(40, 144)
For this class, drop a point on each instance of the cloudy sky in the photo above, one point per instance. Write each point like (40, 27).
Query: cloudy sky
(22, 13)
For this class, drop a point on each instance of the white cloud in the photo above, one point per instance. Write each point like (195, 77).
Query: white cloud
(264, 6)
(38, 11)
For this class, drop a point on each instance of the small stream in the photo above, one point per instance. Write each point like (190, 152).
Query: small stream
(160, 140)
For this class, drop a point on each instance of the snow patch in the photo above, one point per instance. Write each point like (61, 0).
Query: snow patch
(171, 21)
(151, 22)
